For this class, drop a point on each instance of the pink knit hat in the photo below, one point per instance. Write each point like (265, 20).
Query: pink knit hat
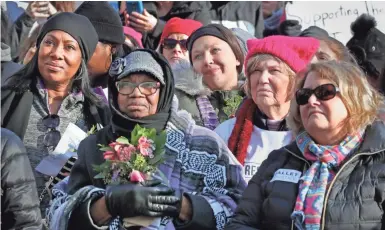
(134, 34)
(296, 52)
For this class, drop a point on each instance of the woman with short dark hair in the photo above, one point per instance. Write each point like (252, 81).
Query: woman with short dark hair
(216, 54)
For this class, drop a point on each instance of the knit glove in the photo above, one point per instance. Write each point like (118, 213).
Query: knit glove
(131, 200)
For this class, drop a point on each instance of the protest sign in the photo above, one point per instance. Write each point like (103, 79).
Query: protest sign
(335, 17)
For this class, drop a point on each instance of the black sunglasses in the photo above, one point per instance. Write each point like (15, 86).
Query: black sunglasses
(52, 138)
(323, 92)
(170, 43)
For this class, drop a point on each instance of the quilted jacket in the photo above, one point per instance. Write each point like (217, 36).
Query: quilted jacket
(355, 199)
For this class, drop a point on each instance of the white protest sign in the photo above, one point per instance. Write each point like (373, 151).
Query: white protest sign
(335, 17)
(70, 140)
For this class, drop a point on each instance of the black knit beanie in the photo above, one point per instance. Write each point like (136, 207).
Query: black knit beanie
(105, 19)
(315, 32)
(215, 30)
(78, 26)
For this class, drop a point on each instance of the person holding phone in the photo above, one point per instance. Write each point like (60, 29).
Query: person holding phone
(155, 15)
(36, 14)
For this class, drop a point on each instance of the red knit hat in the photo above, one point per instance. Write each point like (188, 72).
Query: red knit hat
(178, 25)
(296, 52)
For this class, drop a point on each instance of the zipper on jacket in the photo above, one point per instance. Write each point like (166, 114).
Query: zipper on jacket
(303, 159)
(334, 179)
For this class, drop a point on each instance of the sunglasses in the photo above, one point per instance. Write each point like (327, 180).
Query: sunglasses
(169, 43)
(146, 88)
(52, 138)
(323, 92)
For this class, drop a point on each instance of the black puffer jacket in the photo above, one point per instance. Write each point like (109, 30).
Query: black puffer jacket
(19, 200)
(355, 198)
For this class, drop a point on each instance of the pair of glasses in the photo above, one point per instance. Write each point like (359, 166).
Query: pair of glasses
(323, 92)
(146, 88)
(169, 43)
(52, 138)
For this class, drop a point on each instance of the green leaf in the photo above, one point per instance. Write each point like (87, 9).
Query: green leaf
(123, 140)
(160, 141)
(92, 130)
(232, 105)
(99, 176)
(157, 158)
(106, 148)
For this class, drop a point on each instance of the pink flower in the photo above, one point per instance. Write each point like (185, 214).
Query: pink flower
(125, 152)
(145, 146)
(110, 155)
(136, 176)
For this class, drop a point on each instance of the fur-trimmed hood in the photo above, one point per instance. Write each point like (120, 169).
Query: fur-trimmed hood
(187, 80)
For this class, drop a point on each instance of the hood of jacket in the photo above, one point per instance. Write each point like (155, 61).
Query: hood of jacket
(5, 53)
(187, 80)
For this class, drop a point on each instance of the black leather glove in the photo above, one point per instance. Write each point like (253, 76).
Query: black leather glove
(132, 200)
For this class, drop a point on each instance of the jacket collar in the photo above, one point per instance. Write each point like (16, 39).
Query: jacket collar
(374, 141)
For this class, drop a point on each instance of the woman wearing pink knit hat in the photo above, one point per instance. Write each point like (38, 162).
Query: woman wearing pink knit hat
(260, 126)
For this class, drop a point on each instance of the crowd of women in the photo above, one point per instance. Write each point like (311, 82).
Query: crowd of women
(280, 132)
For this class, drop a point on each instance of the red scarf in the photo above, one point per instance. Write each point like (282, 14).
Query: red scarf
(241, 134)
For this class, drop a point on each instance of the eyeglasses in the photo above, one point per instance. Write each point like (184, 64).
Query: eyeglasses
(169, 43)
(323, 92)
(51, 138)
(146, 88)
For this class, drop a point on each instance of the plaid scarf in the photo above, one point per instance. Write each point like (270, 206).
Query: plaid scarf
(208, 114)
(310, 200)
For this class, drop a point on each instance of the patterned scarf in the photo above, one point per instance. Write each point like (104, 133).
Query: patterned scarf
(208, 114)
(272, 22)
(310, 200)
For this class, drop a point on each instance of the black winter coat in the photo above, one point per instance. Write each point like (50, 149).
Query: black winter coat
(246, 15)
(19, 199)
(184, 9)
(355, 198)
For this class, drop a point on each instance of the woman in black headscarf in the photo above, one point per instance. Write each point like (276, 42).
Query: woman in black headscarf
(53, 90)
(203, 186)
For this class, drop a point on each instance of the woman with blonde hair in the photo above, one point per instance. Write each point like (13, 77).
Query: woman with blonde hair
(331, 176)
(260, 125)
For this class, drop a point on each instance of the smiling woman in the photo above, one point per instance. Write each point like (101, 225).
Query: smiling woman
(59, 57)
(53, 90)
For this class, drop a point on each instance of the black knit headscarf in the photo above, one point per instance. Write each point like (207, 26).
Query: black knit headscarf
(78, 26)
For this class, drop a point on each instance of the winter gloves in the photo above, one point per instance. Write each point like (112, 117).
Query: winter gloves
(132, 200)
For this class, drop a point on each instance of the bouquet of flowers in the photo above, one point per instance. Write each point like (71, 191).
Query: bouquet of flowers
(132, 161)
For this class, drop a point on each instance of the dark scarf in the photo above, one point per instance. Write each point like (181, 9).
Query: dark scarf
(123, 125)
(260, 120)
